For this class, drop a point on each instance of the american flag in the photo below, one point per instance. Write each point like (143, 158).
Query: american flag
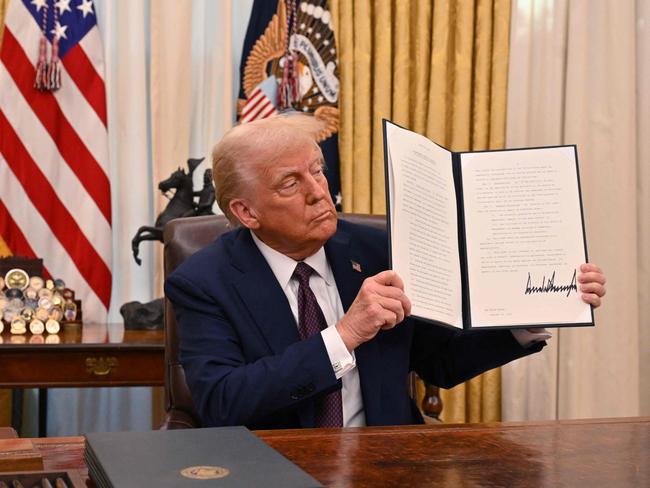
(55, 200)
(262, 101)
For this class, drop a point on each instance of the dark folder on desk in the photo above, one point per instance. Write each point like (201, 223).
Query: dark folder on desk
(227, 456)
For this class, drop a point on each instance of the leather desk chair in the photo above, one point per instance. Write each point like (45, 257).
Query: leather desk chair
(182, 238)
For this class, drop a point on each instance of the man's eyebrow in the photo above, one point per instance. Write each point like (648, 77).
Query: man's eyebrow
(285, 174)
(293, 171)
(320, 160)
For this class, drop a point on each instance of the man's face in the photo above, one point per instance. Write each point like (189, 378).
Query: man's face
(291, 204)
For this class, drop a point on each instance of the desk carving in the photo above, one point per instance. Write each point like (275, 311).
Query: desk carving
(101, 366)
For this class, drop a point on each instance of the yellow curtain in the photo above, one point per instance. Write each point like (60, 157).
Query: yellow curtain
(3, 10)
(440, 69)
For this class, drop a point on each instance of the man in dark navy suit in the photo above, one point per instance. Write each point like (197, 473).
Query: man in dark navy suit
(293, 320)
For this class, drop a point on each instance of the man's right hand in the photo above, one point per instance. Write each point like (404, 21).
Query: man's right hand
(380, 304)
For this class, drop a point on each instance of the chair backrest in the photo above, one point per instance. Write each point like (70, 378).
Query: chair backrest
(182, 238)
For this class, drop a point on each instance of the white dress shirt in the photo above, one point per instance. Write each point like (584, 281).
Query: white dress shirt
(327, 294)
(324, 287)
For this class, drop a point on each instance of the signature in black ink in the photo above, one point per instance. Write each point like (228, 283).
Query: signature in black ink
(550, 286)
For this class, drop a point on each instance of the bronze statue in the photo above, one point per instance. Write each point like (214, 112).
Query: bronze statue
(206, 195)
(181, 204)
(141, 316)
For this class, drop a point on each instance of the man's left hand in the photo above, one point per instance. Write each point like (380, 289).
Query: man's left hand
(592, 284)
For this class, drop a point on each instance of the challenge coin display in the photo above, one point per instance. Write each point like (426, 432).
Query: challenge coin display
(34, 304)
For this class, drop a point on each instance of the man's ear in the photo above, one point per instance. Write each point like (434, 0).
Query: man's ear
(245, 214)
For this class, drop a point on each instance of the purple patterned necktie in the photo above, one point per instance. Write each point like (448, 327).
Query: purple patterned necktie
(329, 409)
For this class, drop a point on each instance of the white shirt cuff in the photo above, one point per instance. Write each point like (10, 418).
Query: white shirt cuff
(340, 358)
(526, 338)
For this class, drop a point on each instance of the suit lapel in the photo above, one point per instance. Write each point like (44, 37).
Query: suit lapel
(344, 257)
(268, 306)
(262, 295)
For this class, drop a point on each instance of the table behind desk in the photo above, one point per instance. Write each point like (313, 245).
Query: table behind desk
(89, 355)
(591, 453)
(83, 356)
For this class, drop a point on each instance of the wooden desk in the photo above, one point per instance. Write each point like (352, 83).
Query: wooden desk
(593, 453)
(83, 356)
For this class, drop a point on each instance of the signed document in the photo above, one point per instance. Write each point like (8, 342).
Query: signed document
(486, 239)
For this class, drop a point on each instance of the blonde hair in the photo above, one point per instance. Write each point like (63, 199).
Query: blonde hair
(261, 140)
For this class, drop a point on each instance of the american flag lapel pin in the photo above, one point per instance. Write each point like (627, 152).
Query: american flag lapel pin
(356, 266)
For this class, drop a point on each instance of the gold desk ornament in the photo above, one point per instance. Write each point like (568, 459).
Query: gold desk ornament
(205, 472)
(101, 366)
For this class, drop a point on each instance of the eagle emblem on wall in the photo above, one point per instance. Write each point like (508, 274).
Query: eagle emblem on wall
(302, 33)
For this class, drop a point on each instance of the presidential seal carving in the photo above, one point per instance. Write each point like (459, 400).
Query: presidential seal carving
(205, 472)
(311, 38)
